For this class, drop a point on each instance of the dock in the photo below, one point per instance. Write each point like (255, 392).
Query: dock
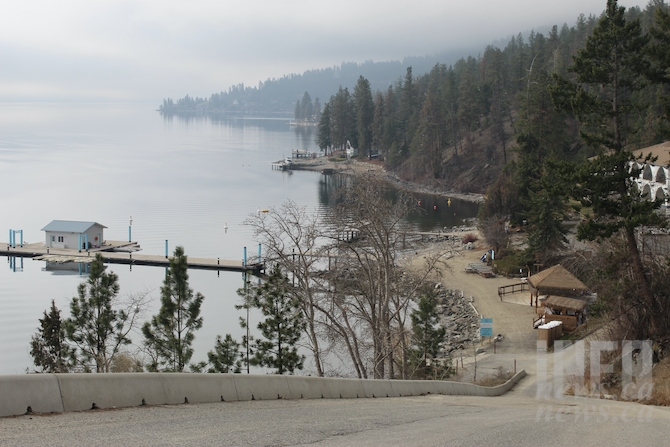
(282, 165)
(126, 254)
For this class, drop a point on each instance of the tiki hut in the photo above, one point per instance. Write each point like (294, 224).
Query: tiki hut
(555, 280)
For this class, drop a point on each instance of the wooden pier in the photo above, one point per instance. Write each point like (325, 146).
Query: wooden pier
(282, 165)
(39, 252)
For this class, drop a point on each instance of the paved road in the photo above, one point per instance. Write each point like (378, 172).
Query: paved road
(516, 419)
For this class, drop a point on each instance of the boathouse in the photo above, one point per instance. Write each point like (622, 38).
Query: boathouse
(74, 234)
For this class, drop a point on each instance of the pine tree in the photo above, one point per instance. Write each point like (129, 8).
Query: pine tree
(170, 334)
(96, 329)
(48, 347)
(297, 113)
(659, 54)
(365, 110)
(225, 358)
(608, 72)
(323, 138)
(307, 107)
(545, 213)
(427, 335)
(342, 119)
(282, 327)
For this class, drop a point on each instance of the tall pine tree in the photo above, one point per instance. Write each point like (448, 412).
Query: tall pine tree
(427, 335)
(365, 110)
(95, 327)
(282, 327)
(608, 71)
(170, 334)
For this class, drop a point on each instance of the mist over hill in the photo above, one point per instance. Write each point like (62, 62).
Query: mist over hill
(278, 96)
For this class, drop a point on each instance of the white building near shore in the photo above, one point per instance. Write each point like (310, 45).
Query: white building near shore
(74, 235)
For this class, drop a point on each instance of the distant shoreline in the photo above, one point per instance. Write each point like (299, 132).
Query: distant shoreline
(355, 167)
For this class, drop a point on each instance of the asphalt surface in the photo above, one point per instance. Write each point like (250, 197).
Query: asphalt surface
(516, 419)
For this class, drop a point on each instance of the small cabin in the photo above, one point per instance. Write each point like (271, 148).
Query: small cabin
(74, 234)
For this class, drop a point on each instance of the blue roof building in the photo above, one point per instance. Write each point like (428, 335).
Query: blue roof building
(74, 234)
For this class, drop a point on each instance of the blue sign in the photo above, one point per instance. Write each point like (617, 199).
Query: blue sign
(486, 327)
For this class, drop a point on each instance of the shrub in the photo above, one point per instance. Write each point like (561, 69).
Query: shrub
(470, 237)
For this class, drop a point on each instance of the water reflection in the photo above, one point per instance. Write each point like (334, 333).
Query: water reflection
(434, 212)
(306, 136)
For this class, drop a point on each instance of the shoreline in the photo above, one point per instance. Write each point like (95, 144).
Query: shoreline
(355, 167)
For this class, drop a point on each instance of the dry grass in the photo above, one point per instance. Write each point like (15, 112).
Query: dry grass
(660, 394)
(470, 237)
(501, 376)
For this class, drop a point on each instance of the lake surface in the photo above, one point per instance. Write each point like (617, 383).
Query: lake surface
(181, 180)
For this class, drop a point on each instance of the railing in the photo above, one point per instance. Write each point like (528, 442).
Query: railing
(512, 288)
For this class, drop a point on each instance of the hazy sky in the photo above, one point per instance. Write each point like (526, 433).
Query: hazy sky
(150, 49)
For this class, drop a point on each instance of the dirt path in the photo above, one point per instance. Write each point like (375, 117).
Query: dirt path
(512, 317)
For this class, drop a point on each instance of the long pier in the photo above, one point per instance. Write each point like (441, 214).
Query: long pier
(39, 252)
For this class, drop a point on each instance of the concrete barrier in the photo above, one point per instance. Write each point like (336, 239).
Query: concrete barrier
(38, 391)
(81, 391)
(46, 393)
(325, 388)
(419, 387)
(377, 388)
(265, 387)
(505, 387)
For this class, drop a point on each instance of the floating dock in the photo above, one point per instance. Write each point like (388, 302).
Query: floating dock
(126, 253)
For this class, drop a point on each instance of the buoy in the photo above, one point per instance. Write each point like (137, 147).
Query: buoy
(434, 207)
(419, 202)
(449, 201)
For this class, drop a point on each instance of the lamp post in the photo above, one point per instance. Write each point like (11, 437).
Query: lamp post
(130, 226)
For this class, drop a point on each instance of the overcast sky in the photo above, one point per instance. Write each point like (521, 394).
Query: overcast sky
(93, 50)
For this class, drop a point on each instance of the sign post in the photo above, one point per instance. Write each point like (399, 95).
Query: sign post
(486, 327)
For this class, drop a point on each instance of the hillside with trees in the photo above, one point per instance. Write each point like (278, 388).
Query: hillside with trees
(278, 96)
(545, 127)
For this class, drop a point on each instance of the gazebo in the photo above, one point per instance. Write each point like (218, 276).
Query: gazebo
(555, 280)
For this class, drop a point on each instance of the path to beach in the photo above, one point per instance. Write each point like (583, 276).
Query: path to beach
(512, 317)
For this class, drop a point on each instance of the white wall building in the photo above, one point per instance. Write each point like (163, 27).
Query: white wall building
(654, 179)
(73, 234)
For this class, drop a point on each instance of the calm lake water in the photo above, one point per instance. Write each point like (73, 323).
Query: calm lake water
(180, 180)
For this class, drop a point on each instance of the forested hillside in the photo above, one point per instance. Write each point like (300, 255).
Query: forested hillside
(279, 96)
(453, 126)
(458, 126)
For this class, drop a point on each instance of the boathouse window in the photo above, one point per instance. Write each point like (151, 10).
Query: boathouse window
(53, 238)
(61, 238)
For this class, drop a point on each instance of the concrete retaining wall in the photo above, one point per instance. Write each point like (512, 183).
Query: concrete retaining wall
(40, 392)
(47, 393)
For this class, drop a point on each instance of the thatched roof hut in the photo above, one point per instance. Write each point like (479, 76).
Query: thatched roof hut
(555, 280)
